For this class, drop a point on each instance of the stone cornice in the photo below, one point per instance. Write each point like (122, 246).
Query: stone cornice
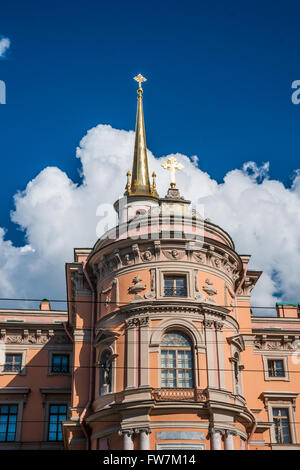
(173, 306)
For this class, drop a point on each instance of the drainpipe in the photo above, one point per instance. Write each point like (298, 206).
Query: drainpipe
(91, 381)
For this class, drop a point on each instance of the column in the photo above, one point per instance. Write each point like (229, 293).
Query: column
(144, 439)
(210, 353)
(229, 444)
(131, 353)
(144, 352)
(220, 350)
(216, 439)
(127, 440)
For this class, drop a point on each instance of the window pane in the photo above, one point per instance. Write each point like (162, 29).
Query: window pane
(2, 427)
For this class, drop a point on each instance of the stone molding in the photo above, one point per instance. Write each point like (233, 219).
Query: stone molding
(213, 255)
(29, 337)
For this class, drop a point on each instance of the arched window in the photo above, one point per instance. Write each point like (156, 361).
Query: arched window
(105, 364)
(176, 361)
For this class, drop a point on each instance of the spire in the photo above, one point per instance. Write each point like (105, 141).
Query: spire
(140, 181)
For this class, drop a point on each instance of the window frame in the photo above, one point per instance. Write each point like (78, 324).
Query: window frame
(176, 272)
(13, 363)
(176, 349)
(281, 400)
(6, 441)
(55, 352)
(58, 404)
(174, 288)
(60, 372)
(13, 350)
(275, 357)
(274, 407)
(17, 398)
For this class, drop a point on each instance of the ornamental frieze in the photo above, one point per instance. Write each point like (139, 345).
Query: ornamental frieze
(135, 254)
(274, 344)
(33, 338)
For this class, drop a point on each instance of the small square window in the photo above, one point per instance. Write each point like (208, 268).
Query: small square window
(175, 286)
(276, 368)
(60, 364)
(13, 362)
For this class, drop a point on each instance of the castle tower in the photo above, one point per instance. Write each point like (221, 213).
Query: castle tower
(162, 327)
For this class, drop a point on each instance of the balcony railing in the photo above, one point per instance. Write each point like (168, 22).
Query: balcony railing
(175, 291)
(179, 394)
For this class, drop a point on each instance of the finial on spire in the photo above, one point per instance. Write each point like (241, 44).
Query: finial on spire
(172, 165)
(140, 79)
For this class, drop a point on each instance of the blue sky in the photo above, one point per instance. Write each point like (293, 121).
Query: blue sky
(219, 83)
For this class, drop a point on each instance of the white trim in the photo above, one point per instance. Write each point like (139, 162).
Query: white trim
(180, 446)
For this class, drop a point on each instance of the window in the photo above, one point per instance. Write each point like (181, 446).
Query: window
(57, 414)
(275, 368)
(176, 361)
(60, 363)
(175, 286)
(8, 422)
(282, 427)
(13, 362)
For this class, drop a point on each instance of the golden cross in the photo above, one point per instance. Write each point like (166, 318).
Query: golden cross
(172, 165)
(140, 79)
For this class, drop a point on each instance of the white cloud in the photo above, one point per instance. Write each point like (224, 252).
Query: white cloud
(4, 46)
(261, 215)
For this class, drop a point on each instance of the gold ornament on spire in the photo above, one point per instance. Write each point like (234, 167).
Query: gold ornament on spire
(172, 165)
(140, 181)
(140, 79)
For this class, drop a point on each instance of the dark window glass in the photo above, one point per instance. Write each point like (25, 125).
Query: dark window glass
(57, 414)
(175, 286)
(275, 368)
(8, 422)
(60, 363)
(13, 362)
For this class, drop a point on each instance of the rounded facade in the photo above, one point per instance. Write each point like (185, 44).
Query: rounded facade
(168, 369)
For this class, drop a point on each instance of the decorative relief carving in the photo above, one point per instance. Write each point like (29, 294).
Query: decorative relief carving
(108, 292)
(208, 323)
(200, 257)
(147, 255)
(198, 295)
(211, 291)
(208, 255)
(137, 321)
(136, 289)
(174, 254)
(274, 344)
(157, 249)
(150, 294)
(218, 325)
(38, 337)
(136, 252)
